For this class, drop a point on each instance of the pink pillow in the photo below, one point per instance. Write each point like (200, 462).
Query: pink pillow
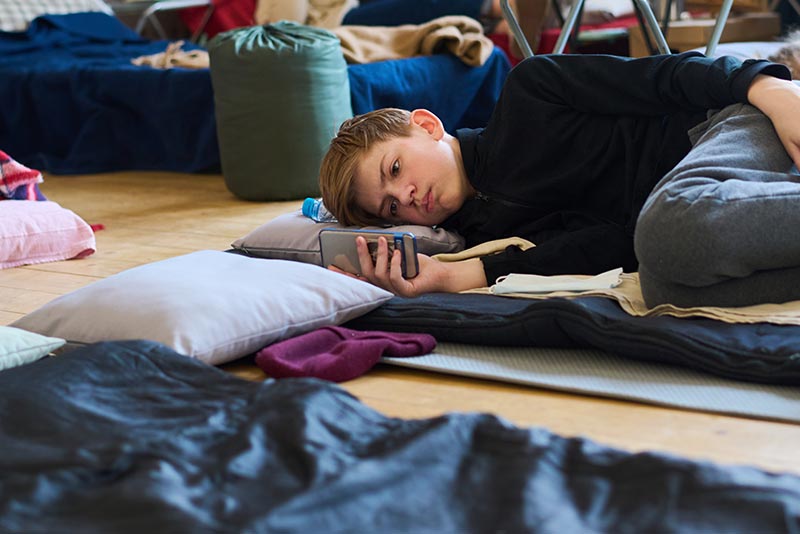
(38, 232)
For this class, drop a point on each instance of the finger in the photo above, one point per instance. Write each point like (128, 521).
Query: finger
(382, 259)
(364, 258)
(369, 272)
(401, 285)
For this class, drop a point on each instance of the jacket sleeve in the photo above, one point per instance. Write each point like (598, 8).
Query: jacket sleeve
(652, 85)
(589, 250)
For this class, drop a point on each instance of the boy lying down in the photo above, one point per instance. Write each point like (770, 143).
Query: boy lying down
(680, 166)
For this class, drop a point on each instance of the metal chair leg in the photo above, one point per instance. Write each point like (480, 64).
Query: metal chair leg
(566, 30)
(569, 24)
(719, 26)
(150, 16)
(652, 25)
(513, 25)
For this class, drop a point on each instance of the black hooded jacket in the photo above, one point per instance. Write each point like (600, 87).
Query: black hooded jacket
(574, 146)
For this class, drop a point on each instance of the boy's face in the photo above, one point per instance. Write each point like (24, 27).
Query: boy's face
(413, 180)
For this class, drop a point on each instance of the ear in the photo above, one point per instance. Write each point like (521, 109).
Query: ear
(429, 122)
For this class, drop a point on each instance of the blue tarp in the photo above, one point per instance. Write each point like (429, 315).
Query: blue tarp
(73, 103)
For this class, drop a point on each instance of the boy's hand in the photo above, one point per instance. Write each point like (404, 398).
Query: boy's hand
(780, 101)
(433, 275)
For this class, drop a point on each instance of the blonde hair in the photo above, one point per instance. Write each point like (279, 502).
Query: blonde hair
(355, 137)
(789, 54)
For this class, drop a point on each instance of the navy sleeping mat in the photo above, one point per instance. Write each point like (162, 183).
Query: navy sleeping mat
(131, 437)
(73, 103)
(763, 352)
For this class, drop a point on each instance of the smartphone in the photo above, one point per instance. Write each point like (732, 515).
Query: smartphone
(338, 247)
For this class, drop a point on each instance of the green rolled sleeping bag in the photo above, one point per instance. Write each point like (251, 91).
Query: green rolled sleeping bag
(280, 93)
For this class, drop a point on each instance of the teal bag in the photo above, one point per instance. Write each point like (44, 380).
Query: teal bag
(280, 93)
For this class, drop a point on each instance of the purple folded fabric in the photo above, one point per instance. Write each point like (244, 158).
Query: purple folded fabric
(337, 354)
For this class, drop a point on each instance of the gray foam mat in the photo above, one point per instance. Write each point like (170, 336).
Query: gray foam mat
(599, 373)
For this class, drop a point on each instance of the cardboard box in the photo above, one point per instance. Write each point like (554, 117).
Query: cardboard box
(683, 35)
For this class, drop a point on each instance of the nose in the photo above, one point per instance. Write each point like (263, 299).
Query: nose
(405, 193)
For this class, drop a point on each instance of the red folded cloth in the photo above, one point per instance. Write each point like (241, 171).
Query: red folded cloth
(14, 175)
(227, 15)
(337, 354)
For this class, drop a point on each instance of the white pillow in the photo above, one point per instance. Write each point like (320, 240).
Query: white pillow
(18, 347)
(16, 15)
(293, 236)
(214, 306)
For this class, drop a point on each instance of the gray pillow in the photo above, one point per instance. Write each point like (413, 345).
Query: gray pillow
(294, 236)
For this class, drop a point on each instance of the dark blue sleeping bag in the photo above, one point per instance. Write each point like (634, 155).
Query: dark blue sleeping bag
(72, 102)
(131, 437)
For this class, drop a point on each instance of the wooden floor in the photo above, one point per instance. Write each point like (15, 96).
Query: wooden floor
(153, 216)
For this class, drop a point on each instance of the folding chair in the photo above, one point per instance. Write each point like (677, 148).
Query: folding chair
(150, 15)
(643, 9)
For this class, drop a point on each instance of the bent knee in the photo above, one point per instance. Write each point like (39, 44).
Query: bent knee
(678, 240)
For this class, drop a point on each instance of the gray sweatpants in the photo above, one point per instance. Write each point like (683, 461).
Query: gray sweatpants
(723, 227)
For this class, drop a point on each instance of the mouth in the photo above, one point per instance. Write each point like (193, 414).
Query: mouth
(428, 201)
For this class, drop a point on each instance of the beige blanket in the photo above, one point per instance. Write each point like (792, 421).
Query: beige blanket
(319, 13)
(629, 295)
(461, 36)
(174, 56)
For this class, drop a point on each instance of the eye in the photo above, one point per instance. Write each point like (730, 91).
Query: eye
(393, 208)
(395, 170)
